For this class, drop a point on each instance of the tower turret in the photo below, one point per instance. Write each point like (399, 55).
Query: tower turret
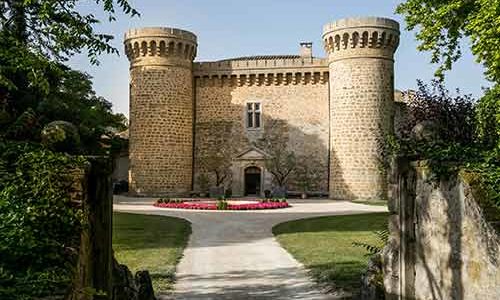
(361, 62)
(161, 109)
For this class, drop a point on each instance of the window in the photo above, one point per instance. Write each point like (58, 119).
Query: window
(253, 115)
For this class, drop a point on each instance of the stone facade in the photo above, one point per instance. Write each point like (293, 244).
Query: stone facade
(360, 52)
(440, 244)
(331, 111)
(161, 110)
(300, 103)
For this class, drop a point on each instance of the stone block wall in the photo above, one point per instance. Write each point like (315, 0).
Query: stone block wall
(440, 246)
(336, 110)
(301, 106)
(161, 130)
(361, 109)
(161, 110)
(360, 52)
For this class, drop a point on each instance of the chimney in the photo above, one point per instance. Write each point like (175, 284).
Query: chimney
(306, 50)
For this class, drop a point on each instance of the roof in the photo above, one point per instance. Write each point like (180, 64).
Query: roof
(259, 57)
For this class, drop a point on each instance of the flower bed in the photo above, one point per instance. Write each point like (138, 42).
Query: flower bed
(213, 204)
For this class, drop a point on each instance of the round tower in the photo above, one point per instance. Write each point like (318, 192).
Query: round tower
(361, 62)
(161, 110)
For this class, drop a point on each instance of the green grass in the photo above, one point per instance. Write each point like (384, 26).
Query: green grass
(372, 202)
(325, 246)
(153, 243)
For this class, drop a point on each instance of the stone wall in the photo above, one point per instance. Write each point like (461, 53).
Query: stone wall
(360, 52)
(288, 96)
(96, 270)
(91, 190)
(440, 246)
(337, 110)
(161, 130)
(161, 110)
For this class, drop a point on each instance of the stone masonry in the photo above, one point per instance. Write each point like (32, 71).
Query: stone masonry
(441, 245)
(360, 54)
(333, 111)
(161, 110)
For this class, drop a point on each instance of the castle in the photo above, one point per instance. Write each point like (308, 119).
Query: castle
(332, 112)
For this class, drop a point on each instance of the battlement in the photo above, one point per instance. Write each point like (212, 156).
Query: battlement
(361, 37)
(263, 70)
(160, 46)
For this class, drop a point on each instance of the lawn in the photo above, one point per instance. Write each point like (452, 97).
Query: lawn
(371, 202)
(153, 243)
(325, 246)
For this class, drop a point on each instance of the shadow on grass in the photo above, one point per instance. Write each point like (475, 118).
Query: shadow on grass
(141, 232)
(324, 245)
(360, 222)
(339, 276)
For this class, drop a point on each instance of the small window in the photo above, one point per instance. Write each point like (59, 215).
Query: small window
(253, 115)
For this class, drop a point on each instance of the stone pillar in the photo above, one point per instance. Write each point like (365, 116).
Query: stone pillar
(161, 110)
(361, 60)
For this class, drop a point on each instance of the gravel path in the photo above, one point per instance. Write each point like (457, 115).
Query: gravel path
(233, 255)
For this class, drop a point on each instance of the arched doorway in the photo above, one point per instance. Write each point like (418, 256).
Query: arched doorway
(252, 181)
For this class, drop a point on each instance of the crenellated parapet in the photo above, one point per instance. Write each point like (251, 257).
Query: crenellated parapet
(361, 37)
(262, 71)
(160, 46)
(361, 61)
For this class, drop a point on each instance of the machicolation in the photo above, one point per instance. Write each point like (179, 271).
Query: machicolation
(333, 111)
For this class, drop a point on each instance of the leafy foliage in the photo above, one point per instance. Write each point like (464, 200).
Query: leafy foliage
(39, 226)
(53, 29)
(443, 24)
(382, 237)
(36, 88)
(488, 119)
(222, 204)
(71, 99)
(451, 115)
(464, 135)
(473, 142)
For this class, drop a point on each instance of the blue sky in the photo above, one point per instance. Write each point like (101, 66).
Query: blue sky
(228, 28)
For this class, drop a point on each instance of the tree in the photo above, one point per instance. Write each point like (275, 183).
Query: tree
(280, 161)
(216, 158)
(488, 119)
(442, 25)
(219, 164)
(38, 36)
(56, 29)
(452, 116)
(71, 99)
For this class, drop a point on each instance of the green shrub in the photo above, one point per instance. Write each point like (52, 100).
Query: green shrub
(39, 226)
(61, 136)
(222, 205)
(466, 137)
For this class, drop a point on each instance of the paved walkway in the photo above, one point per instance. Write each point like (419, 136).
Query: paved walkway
(233, 255)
